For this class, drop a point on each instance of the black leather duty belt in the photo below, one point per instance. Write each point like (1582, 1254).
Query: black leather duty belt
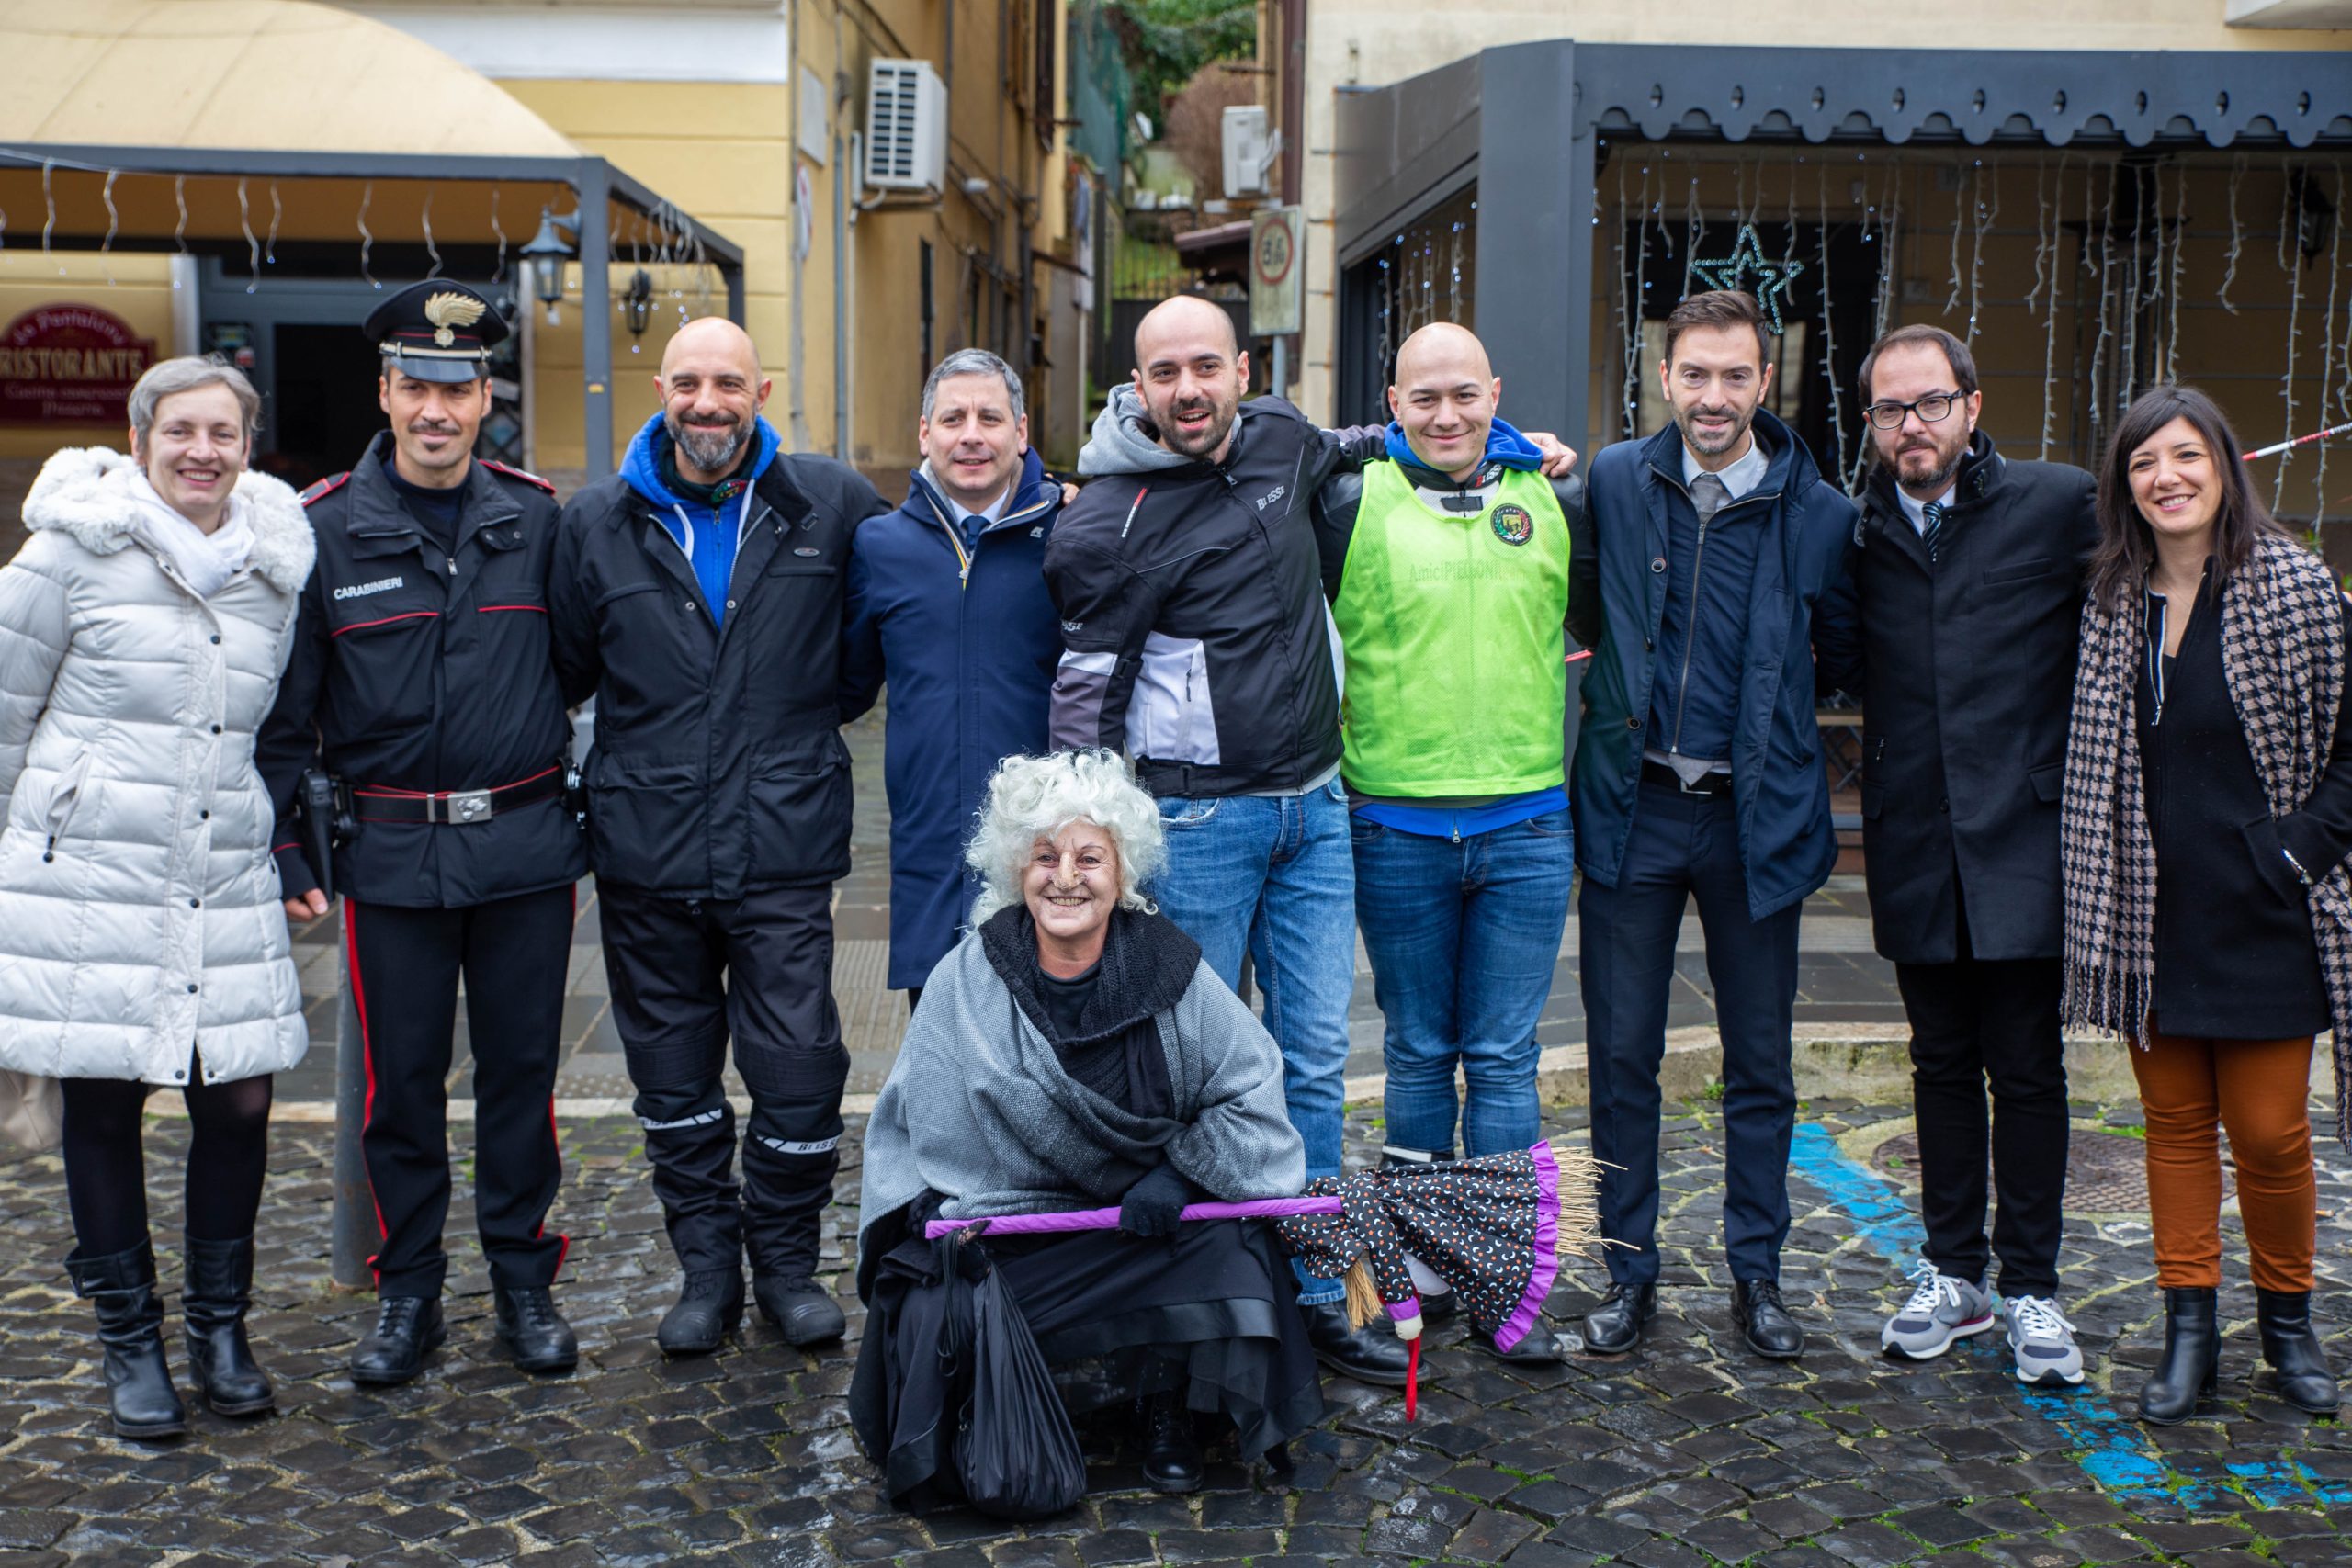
(1708, 784)
(459, 806)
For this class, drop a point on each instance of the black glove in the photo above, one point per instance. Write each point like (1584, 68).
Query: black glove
(922, 1209)
(1153, 1205)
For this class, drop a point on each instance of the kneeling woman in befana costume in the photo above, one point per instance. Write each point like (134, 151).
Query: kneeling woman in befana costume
(1073, 1052)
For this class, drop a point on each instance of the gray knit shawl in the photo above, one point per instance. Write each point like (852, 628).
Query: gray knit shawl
(2282, 655)
(979, 1107)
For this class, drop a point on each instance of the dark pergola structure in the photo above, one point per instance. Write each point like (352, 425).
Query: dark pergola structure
(595, 185)
(1524, 124)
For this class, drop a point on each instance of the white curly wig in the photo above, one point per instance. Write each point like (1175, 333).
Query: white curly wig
(1036, 798)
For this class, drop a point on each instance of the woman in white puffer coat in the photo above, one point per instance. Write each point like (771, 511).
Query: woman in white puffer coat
(142, 630)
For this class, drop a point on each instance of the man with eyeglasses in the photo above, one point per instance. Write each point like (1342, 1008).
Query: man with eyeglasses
(1967, 593)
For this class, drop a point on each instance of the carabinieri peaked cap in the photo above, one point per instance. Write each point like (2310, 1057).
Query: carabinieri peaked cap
(437, 331)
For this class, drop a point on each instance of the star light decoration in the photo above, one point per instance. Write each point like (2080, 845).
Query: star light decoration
(1748, 256)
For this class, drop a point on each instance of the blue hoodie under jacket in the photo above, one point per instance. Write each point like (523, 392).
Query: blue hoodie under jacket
(709, 535)
(969, 642)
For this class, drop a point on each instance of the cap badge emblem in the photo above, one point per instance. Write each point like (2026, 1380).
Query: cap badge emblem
(446, 311)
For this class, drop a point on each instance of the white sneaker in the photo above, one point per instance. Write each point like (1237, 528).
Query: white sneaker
(1941, 1309)
(2044, 1342)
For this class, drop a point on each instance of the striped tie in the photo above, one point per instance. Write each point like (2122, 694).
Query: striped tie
(1933, 515)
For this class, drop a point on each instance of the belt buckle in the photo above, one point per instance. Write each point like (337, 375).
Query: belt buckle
(463, 806)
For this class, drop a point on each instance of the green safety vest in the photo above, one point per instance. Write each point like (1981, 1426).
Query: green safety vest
(1450, 627)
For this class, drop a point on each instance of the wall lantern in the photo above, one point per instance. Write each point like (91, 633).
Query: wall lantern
(548, 251)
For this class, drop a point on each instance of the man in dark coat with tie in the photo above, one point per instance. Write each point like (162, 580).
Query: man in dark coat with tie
(1699, 776)
(1968, 580)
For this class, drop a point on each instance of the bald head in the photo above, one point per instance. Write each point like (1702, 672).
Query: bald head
(1444, 397)
(1180, 322)
(1191, 373)
(712, 392)
(1442, 350)
(712, 340)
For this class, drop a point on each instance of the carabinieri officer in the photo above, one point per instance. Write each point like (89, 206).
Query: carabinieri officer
(421, 682)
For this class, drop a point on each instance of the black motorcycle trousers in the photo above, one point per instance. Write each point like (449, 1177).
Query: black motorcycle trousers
(689, 975)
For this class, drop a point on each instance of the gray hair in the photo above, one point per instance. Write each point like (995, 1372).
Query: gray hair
(974, 362)
(1036, 798)
(186, 374)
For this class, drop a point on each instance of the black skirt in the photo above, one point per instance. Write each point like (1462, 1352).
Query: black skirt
(1212, 1316)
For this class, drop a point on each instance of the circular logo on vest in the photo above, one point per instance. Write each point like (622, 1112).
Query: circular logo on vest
(1512, 524)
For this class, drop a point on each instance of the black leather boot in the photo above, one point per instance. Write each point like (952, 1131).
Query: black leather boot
(805, 1314)
(215, 1287)
(2191, 1366)
(1171, 1454)
(393, 1352)
(122, 1288)
(709, 1307)
(533, 1331)
(1615, 1325)
(2297, 1364)
(1371, 1354)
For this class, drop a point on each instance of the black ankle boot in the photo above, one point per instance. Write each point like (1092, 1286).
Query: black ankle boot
(2299, 1365)
(709, 1306)
(2191, 1366)
(1171, 1455)
(793, 1303)
(121, 1287)
(216, 1288)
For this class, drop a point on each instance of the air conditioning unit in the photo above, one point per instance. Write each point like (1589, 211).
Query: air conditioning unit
(1249, 150)
(906, 125)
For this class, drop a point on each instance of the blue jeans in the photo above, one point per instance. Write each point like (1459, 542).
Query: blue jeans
(1271, 876)
(1464, 937)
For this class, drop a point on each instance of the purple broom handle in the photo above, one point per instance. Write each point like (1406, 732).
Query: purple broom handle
(1108, 1219)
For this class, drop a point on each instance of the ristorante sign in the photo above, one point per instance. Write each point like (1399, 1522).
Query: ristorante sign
(70, 365)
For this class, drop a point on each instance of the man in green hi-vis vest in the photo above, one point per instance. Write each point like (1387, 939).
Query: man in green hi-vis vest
(1456, 572)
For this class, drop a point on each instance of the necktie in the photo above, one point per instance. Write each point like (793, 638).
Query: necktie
(1710, 495)
(1932, 523)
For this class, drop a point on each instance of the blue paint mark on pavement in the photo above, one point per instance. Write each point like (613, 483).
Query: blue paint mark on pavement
(2113, 1450)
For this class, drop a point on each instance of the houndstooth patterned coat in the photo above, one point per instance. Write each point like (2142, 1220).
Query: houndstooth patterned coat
(2282, 653)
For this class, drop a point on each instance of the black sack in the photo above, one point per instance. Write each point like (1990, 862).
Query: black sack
(1016, 1451)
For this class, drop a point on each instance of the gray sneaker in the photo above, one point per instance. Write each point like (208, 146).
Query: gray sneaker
(1941, 1309)
(2044, 1342)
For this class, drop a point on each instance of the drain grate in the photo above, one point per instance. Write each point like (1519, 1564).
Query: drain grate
(2106, 1172)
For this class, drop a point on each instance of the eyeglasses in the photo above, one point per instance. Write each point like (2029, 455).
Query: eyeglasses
(1930, 409)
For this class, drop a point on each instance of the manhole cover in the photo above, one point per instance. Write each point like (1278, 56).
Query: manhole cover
(2106, 1173)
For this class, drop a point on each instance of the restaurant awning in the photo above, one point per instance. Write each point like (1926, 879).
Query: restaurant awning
(226, 126)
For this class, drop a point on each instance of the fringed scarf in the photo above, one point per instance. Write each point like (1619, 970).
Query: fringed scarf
(2282, 654)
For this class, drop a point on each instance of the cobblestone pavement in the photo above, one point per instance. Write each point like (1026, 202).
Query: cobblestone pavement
(1690, 1451)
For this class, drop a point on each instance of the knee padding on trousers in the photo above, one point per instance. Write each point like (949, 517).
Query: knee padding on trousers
(682, 1108)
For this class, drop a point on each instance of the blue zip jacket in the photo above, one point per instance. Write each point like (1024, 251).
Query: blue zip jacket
(1779, 790)
(968, 643)
(709, 535)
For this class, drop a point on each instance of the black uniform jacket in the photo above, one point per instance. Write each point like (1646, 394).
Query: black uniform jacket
(416, 670)
(1966, 670)
(718, 768)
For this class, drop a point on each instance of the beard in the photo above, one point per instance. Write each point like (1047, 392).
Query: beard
(1700, 442)
(1941, 462)
(1195, 444)
(712, 449)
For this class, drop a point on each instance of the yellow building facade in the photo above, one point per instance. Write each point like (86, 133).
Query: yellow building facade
(746, 116)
